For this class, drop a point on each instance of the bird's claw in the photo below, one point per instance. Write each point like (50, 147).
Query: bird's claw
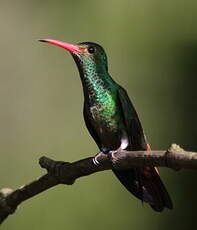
(112, 152)
(95, 161)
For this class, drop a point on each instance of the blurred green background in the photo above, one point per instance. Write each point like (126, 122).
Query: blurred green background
(152, 51)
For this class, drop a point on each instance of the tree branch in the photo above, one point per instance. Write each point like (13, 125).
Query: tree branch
(66, 173)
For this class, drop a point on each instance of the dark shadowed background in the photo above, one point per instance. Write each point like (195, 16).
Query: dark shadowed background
(152, 51)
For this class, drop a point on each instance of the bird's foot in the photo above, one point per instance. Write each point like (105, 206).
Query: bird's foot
(96, 158)
(113, 152)
(95, 161)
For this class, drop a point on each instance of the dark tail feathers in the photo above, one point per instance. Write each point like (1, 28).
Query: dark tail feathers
(146, 185)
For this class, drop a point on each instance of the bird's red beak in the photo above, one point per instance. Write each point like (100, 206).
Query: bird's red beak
(71, 48)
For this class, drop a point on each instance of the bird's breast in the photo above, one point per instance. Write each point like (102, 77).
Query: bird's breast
(104, 116)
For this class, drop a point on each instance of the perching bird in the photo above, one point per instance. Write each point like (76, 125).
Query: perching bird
(113, 122)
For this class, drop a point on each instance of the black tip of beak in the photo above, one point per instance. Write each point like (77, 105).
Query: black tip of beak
(42, 40)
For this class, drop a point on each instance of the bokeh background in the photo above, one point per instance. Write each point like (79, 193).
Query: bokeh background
(152, 51)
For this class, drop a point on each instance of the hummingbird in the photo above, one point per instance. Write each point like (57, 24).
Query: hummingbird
(113, 123)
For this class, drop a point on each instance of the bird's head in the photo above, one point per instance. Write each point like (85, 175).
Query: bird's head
(87, 55)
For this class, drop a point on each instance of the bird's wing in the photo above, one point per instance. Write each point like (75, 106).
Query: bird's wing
(134, 128)
(145, 182)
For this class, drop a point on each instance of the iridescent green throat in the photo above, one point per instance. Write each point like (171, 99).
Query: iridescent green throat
(96, 80)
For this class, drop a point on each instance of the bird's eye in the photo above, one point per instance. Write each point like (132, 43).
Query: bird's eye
(91, 50)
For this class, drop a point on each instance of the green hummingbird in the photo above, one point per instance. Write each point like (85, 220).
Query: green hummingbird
(113, 122)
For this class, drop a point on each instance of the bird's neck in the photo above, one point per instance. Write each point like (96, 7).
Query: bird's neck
(96, 82)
